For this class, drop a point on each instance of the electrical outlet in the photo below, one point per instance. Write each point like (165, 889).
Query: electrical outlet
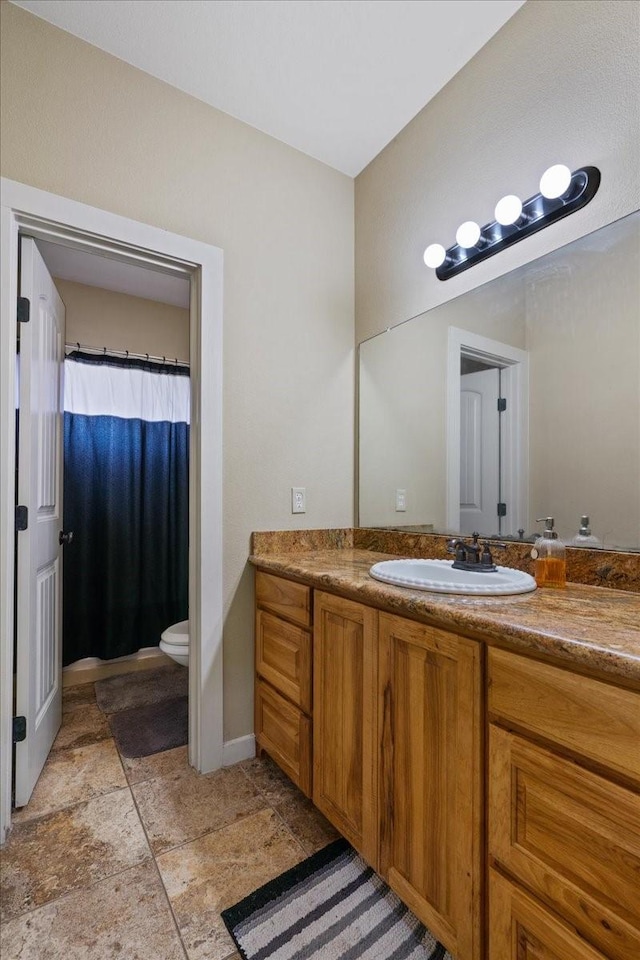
(401, 501)
(298, 500)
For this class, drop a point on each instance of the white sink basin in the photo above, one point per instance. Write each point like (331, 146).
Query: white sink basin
(438, 576)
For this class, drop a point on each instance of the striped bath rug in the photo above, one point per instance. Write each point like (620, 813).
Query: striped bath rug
(332, 906)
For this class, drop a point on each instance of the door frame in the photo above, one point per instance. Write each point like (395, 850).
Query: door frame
(515, 368)
(43, 215)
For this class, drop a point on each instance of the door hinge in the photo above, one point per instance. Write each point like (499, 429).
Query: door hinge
(24, 309)
(502, 509)
(19, 729)
(22, 517)
(502, 404)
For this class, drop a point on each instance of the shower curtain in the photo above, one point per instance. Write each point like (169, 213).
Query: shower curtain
(126, 459)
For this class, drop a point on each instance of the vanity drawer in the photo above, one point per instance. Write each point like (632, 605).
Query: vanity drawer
(285, 733)
(592, 719)
(521, 929)
(569, 835)
(284, 597)
(283, 657)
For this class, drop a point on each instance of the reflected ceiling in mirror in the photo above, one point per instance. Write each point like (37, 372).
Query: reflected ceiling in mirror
(559, 340)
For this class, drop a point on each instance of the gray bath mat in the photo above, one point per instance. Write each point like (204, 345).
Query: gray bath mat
(332, 906)
(143, 687)
(152, 728)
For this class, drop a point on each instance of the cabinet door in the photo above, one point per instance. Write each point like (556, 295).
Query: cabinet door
(431, 799)
(344, 720)
(521, 929)
(569, 835)
(285, 733)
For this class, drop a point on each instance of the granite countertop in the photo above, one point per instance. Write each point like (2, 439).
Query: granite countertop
(595, 628)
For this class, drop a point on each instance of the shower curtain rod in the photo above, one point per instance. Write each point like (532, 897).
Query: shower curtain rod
(85, 348)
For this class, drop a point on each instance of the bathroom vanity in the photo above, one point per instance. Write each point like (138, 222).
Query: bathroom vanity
(482, 755)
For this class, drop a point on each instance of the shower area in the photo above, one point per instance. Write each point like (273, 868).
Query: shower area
(126, 510)
(126, 456)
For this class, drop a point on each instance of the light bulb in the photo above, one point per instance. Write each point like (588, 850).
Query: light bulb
(508, 210)
(468, 234)
(435, 255)
(555, 181)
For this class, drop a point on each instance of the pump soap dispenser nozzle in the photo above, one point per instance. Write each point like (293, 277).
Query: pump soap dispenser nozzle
(584, 537)
(549, 555)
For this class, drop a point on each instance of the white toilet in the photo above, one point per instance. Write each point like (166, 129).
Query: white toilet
(174, 641)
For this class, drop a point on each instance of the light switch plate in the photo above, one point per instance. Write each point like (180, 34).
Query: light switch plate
(401, 501)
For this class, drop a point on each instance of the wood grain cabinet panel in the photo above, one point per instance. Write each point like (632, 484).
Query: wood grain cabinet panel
(431, 783)
(344, 719)
(569, 835)
(521, 929)
(285, 733)
(283, 597)
(592, 719)
(283, 657)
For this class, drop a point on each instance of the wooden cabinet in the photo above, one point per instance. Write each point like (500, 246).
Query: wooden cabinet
(564, 813)
(283, 692)
(521, 929)
(431, 781)
(383, 721)
(345, 751)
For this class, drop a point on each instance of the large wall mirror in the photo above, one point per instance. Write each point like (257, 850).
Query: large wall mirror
(519, 399)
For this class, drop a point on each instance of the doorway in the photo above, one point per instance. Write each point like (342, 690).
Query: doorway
(487, 435)
(57, 219)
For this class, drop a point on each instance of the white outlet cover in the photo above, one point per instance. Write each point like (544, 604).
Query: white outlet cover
(298, 500)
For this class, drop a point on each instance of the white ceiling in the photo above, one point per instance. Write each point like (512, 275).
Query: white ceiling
(336, 79)
(68, 263)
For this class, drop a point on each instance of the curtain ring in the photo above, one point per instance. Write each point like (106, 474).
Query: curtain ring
(127, 357)
(147, 358)
(104, 351)
(164, 359)
(78, 345)
(176, 361)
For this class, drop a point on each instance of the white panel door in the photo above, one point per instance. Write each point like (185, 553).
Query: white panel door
(39, 569)
(479, 452)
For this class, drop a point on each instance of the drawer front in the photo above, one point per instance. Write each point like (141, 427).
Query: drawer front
(284, 597)
(285, 733)
(521, 929)
(283, 657)
(569, 835)
(593, 719)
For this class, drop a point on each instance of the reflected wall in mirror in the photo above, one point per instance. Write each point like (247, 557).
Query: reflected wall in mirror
(561, 336)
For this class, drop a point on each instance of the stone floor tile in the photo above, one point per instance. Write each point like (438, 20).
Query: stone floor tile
(70, 776)
(268, 778)
(212, 873)
(87, 724)
(81, 696)
(72, 848)
(124, 917)
(306, 823)
(162, 764)
(185, 805)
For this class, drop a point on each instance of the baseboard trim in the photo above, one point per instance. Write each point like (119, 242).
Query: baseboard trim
(242, 748)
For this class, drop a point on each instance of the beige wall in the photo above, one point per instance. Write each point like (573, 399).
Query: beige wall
(83, 124)
(103, 318)
(559, 83)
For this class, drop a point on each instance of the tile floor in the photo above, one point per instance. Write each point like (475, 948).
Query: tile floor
(119, 859)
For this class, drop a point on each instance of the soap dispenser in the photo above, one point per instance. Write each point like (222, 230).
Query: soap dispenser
(550, 557)
(584, 538)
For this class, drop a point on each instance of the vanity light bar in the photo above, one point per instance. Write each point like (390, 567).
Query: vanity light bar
(561, 193)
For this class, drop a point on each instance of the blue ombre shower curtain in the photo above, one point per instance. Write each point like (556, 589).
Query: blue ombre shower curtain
(126, 460)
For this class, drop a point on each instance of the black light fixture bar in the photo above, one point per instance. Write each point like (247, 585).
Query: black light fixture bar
(538, 212)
